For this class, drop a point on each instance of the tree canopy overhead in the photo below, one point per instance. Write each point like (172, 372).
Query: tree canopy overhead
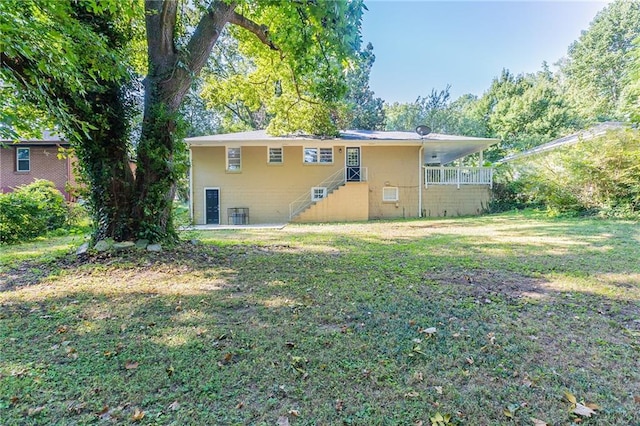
(78, 65)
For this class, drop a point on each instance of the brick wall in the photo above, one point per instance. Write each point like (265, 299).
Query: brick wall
(44, 164)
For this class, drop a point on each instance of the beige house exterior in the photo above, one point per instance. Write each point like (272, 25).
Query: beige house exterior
(254, 178)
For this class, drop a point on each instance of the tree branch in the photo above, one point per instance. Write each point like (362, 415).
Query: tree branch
(260, 31)
(160, 20)
(207, 33)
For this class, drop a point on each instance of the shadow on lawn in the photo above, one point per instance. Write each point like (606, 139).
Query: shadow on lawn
(244, 333)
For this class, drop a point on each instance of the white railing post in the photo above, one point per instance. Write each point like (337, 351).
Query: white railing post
(458, 176)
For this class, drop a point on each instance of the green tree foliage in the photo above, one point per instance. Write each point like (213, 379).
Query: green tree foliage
(402, 116)
(597, 176)
(436, 110)
(524, 111)
(599, 62)
(45, 45)
(631, 92)
(362, 110)
(30, 211)
(248, 98)
(295, 86)
(82, 75)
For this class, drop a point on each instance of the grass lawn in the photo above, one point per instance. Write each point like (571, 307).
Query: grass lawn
(492, 320)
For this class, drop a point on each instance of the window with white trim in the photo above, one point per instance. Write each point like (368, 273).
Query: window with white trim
(23, 159)
(318, 193)
(275, 156)
(390, 193)
(233, 159)
(318, 155)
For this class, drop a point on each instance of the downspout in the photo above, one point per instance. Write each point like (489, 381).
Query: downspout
(69, 185)
(420, 153)
(191, 184)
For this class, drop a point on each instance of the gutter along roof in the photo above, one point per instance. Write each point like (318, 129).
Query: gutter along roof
(438, 148)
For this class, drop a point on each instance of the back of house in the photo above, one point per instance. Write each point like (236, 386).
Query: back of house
(255, 178)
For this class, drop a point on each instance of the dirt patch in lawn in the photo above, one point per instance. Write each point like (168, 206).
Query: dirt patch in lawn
(485, 283)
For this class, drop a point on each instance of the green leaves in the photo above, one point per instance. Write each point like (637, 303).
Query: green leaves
(599, 62)
(297, 87)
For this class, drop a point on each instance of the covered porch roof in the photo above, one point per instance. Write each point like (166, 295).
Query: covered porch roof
(438, 148)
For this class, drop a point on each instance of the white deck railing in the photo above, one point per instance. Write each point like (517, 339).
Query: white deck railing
(458, 176)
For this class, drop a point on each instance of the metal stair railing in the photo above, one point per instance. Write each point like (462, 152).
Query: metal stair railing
(305, 200)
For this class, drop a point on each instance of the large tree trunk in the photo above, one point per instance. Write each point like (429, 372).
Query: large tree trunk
(104, 158)
(169, 77)
(157, 167)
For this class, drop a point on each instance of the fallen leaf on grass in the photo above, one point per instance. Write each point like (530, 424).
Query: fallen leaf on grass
(131, 365)
(439, 419)
(637, 399)
(294, 413)
(227, 358)
(417, 349)
(339, 405)
(538, 422)
(174, 406)
(283, 421)
(71, 352)
(510, 411)
(438, 389)
(583, 410)
(138, 415)
(62, 329)
(570, 397)
(412, 394)
(104, 414)
(76, 406)
(35, 411)
(428, 331)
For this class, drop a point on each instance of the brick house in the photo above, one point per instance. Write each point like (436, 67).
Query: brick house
(23, 162)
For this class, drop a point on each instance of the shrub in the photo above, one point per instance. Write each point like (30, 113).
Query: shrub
(30, 211)
(508, 193)
(598, 176)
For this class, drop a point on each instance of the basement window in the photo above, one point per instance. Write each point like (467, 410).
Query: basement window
(318, 193)
(389, 194)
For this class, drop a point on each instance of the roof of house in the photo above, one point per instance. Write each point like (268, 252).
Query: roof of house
(47, 138)
(362, 135)
(571, 139)
(438, 148)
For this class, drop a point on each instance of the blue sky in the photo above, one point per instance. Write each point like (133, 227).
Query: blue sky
(420, 45)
